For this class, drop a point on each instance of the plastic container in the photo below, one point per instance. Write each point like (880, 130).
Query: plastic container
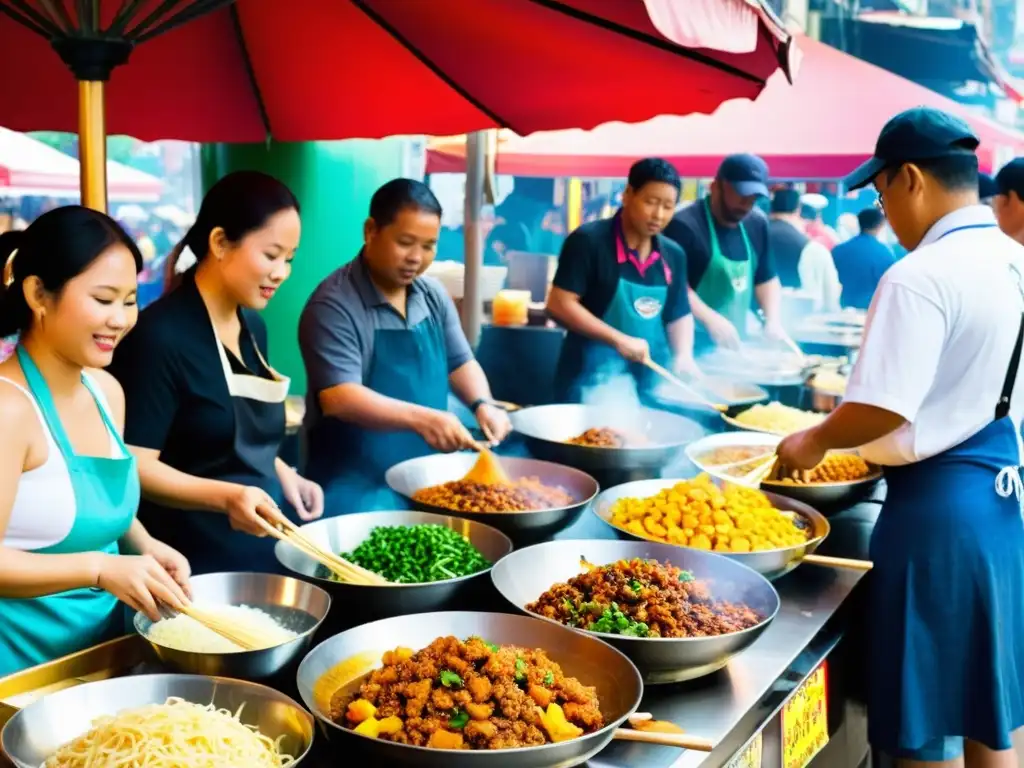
(511, 307)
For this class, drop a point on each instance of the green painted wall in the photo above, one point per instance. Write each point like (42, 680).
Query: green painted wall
(333, 181)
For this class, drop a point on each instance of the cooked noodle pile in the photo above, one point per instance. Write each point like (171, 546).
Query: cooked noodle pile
(176, 734)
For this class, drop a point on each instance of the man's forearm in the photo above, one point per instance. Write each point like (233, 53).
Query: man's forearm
(680, 337)
(361, 405)
(469, 383)
(852, 425)
(769, 298)
(572, 315)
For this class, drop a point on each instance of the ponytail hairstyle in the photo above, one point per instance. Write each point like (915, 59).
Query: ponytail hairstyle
(56, 248)
(240, 203)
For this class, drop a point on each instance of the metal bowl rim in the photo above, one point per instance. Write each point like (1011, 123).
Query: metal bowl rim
(732, 555)
(606, 731)
(452, 512)
(241, 654)
(608, 637)
(872, 478)
(596, 450)
(216, 680)
(391, 584)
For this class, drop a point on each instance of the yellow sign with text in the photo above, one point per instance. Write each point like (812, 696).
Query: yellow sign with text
(805, 721)
(749, 757)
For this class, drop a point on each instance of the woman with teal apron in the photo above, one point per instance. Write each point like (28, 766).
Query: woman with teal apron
(69, 503)
(727, 285)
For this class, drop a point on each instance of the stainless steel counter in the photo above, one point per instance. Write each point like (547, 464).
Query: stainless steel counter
(729, 707)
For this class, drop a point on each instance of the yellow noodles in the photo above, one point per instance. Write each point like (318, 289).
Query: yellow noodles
(176, 734)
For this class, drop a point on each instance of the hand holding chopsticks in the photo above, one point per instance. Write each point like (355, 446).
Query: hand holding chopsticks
(348, 572)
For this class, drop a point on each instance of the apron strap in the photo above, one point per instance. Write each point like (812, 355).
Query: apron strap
(1003, 406)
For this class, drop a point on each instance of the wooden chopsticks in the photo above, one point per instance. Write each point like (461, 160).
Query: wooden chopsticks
(756, 476)
(343, 569)
(240, 636)
(669, 736)
(673, 379)
(839, 562)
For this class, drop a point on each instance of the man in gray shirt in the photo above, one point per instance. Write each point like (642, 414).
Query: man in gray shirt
(382, 345)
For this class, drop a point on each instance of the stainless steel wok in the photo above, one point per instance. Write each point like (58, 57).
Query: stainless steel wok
(41, 728)
(343, 534)
(526, 574)
(296, 605)
(547, 427)
(592, 662)
(771, 563)
(415, 474)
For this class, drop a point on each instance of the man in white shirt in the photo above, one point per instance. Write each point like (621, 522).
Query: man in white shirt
(802, 263)
(935, 398)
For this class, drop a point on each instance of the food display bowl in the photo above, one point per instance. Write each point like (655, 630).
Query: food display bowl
(525, 575)
(547, 427)
(825, 497)
(415, 474)
(591, 661)
(770, 563)
(295, 604)
(343, 534)
(40, 729)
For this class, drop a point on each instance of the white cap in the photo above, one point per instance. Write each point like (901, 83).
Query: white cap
(814, 200)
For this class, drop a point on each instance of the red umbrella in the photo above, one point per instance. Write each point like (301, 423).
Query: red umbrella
(332, 69)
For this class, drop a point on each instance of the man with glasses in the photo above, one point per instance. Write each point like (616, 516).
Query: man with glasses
(728, 259)
(935, 398)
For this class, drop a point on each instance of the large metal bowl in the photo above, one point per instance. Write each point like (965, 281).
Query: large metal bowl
(343, 534)
(41, 728)
(824, 497)
(547, 427)
(526, 574)
(592, 662)
(296, 605)
(415, 474)
(771, 563)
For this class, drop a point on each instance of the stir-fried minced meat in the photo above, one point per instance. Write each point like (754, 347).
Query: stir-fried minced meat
(526, 495)
(606, 437)
(469, 695)
(642, 598)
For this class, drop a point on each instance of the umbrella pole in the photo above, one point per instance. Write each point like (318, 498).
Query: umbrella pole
(472, 306)
(92, 143)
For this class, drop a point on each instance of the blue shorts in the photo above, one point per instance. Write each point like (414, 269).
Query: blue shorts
(935, 751)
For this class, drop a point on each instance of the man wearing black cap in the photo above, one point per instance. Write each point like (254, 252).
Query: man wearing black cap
(1008, 198)
(727, 254)
(802, 263)
(935, 398)
(987, 189)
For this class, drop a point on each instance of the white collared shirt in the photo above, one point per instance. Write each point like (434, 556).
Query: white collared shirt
(939, 336)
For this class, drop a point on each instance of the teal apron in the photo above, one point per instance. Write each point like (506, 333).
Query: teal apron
(37, 630)
(636, 310)
(727, 285)
(409, 364)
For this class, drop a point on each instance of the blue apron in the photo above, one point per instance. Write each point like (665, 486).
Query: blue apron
(636, 310)
(947, 620)
(409, 364)
(37, 630)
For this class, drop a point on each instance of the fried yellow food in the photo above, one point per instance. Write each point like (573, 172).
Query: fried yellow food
(835, 468)
(524, 495)
(697, 513)
(778, 419)
(470, 694)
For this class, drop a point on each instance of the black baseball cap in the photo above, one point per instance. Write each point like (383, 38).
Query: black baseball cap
(987, 186)
(921, 133)
(747, 174)
(1010, 178)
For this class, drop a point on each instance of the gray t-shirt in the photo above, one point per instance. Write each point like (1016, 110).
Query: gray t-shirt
(336, 329)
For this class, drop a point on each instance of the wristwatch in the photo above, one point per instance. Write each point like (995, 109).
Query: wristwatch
(475, 406)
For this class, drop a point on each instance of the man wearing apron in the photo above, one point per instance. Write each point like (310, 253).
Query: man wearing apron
(728, 257)
(382, 345)
(620, 292)
(935, 398)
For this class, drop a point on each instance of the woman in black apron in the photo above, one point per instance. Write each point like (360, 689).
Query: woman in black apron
(205, 411)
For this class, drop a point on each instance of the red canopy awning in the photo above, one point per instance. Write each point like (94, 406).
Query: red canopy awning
(30, 167)
(821, 127)
(298, 70)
